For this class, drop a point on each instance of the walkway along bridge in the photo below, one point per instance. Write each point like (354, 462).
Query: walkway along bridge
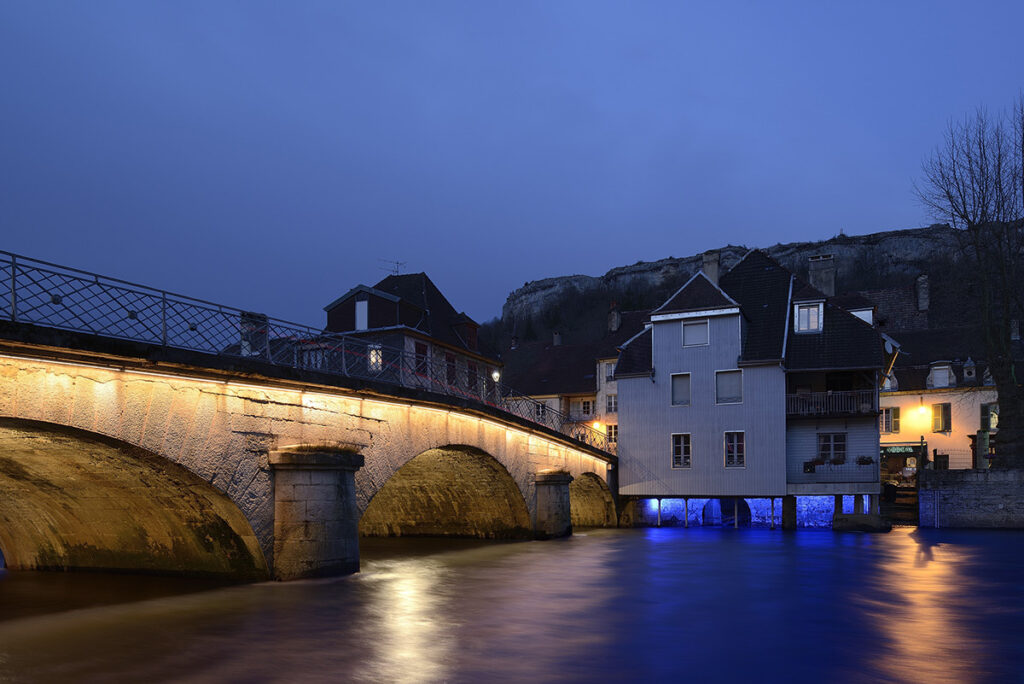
(144, 430)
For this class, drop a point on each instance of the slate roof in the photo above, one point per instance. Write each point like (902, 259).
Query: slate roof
(852, 302)
(761, 286)
(845, 341)
(698, 294)
(439, 319)
(542, 368)
(635, 358)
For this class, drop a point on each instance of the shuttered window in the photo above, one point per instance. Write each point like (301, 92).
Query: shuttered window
(728, 387)
(681, 389)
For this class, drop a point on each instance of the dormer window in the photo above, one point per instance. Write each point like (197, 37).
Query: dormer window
(695, 333)
(941, 375)
(808, 317)
(362, 314)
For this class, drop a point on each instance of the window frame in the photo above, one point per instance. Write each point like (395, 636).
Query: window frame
(742, 451)
(587, 407)
(729, 403)
(612, 434)
(671, 390)
(819, 314)
(830, 439)
(611, 403)
(362, 314)
(985, 415)
(685, 454)
(706, 322)
(374, 358)
(893, 421)
(943, 421)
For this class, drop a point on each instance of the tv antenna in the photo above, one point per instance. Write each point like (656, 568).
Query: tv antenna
(393, 267)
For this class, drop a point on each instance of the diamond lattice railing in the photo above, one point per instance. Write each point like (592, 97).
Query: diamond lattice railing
(50, 295)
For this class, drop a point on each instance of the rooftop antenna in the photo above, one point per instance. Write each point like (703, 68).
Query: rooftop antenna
(393, 267)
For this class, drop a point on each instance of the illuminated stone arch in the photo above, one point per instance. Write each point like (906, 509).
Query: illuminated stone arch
(74, 499)
(591, 502)
(453, 490)
(719, 511)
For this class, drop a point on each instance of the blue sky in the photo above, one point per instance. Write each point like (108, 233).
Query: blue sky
(268, 155)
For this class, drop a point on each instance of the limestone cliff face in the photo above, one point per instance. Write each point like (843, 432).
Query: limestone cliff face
(860, 260)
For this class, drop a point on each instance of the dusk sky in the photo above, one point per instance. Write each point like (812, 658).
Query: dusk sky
(269, 155)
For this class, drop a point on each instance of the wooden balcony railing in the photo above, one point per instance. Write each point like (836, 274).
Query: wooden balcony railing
(857, 402)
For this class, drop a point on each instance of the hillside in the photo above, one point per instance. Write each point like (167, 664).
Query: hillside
(577, 305)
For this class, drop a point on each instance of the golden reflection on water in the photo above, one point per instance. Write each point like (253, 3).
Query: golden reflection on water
(407, 608)
(918, 599)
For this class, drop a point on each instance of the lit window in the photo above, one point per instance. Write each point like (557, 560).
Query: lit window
(541, 410)
(613, 433)
(612, 403)
(609, 371)
(375, 358)
(681, 389)
(734, 452)
(362, 315)
(695, 333)
(832, 447)
(942, 418)
(681, 451)
(807, 317)
(889, 421)
(728, 387)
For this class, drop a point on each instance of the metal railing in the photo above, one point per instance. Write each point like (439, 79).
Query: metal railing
(50, 295)
(856, 402)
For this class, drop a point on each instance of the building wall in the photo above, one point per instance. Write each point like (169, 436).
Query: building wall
(972, 498)
(605, 387)
(647, 419)
(802, 447)
(965, 409)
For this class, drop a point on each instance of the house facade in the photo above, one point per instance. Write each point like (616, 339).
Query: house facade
(745, 395)
(408, 326)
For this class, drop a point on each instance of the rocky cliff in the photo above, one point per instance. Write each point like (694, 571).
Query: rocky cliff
(862, 262)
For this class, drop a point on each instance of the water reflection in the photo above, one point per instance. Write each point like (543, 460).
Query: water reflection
(614, 605)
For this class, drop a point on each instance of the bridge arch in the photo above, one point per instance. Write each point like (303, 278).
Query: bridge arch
(454, 490)
(591, 502)
(75, 499)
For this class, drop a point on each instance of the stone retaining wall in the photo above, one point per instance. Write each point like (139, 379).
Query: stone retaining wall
(971, 498)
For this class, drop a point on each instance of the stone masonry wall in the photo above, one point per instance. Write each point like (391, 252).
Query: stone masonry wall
(971, 498)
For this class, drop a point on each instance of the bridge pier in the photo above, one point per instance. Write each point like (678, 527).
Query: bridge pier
(554, 513)
(316, 519)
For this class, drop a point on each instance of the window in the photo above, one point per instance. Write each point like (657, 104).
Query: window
(587, 406)
(541, 410)
(695, 333)
(990, 416)
(449, 362)
(832, 447)
(808, 317)
(941, 418)
(681, 451)
(612, 403)
(421, 358)
(362, 316)
(728, 387)
(375, 358)
(734, 456)
(609, 371)
(889, 421)
(681, 389)
(613, 433)
(941, 375)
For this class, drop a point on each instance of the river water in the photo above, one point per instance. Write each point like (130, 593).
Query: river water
(703, 604)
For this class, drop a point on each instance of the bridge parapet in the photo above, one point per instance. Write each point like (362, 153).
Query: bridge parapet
(50, 295)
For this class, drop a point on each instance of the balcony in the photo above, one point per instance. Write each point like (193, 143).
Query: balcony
(828, 404)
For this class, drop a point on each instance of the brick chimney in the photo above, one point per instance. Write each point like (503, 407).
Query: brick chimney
(710, 265)
(921, 285)
(614, 318)
(822, 272)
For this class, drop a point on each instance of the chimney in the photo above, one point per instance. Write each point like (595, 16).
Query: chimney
(822, 272)
(922, 292)
(711, 265)
(556, 339)
(614, 318)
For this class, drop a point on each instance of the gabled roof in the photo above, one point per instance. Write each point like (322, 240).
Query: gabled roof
(697, 294)
(807, 293)
(356, 290)
(761, 286)
(845, 341)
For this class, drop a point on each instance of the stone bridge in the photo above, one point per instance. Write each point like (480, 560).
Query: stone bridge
(129, 456)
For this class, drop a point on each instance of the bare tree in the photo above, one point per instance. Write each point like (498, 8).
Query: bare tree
(975, 182)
